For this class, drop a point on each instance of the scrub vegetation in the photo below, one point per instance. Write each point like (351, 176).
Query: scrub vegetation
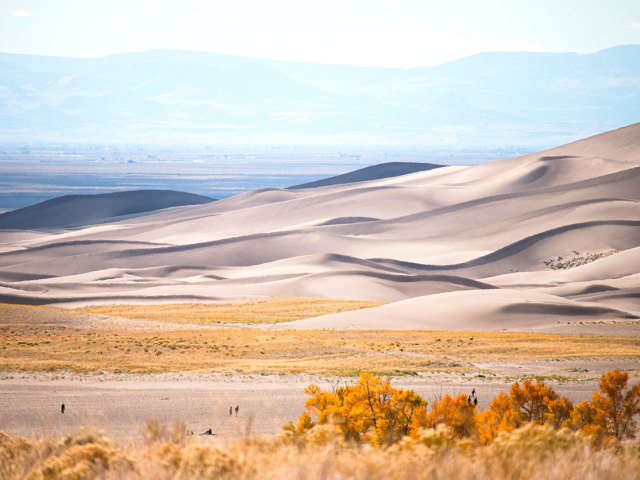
(362, 431)
(28, 347)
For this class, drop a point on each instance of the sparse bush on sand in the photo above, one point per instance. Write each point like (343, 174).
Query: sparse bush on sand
(577, 260)
(371, 430)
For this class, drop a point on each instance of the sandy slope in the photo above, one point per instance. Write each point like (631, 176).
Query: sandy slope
(74, 210)
(373, 172)
(467, 245)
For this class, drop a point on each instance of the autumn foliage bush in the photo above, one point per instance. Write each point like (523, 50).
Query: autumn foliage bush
(372, 411)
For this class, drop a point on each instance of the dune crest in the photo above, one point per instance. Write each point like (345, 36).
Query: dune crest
(452, 247)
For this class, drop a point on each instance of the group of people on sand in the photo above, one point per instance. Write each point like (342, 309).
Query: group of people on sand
(189, 432)
(472, 398)
(231, 410)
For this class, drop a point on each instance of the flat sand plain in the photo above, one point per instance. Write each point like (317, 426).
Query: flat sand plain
(120, 405)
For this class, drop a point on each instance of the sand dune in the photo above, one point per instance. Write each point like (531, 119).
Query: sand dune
(373, 172)
(520, 243)
(76, 210)
(466, 310)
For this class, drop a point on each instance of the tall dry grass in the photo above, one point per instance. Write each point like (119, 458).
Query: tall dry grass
(168, 453)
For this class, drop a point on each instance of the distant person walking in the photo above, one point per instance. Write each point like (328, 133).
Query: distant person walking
(237, 409)
(62, 409)
(469, 399)
(230, 411)
(475, 401)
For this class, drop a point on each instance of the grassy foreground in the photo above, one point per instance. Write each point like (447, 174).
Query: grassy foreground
(167, 453)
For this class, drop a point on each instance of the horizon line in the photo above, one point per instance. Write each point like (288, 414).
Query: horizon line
(269, 59)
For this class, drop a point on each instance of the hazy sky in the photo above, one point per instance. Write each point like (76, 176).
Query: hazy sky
(398, 33)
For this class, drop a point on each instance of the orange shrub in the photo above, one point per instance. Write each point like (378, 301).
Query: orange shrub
(373, 411)
(456, 413)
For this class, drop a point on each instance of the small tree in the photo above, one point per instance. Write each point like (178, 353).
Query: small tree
(615, 406)
(530, 403)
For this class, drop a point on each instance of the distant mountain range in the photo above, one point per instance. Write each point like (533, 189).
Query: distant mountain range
(186, 97)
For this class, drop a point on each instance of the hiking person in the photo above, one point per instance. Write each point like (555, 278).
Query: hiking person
(237, 409)
(62, 409)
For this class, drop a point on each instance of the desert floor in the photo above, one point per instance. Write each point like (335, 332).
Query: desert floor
(121, 404)
(115, 373)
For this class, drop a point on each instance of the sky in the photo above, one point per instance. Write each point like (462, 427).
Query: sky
(384, 33)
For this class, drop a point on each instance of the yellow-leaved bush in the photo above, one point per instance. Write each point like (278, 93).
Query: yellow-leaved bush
(372, 411)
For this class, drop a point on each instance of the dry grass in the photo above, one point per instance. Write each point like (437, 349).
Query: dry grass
(272, 310)
(48, 347)
(36, 339)
(169, 455)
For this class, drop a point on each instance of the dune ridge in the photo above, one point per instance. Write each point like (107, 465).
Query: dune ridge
(78, 210)
(373, 172)
(471, 246)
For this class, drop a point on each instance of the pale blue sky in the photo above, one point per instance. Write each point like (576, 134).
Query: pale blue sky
(394, 33)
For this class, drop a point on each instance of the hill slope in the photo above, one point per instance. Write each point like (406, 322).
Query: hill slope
(373, 172)
(76, 210)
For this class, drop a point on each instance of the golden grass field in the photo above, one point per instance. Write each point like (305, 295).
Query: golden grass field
(271, 310)
(35, 339)
(167, 453)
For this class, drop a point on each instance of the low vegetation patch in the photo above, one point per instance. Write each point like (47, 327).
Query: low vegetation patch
(560, 263)
(271, 310)
(33, 347)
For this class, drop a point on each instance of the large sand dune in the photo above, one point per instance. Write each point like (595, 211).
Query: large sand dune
(521, 243)
(373, 172)
(75, 210)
